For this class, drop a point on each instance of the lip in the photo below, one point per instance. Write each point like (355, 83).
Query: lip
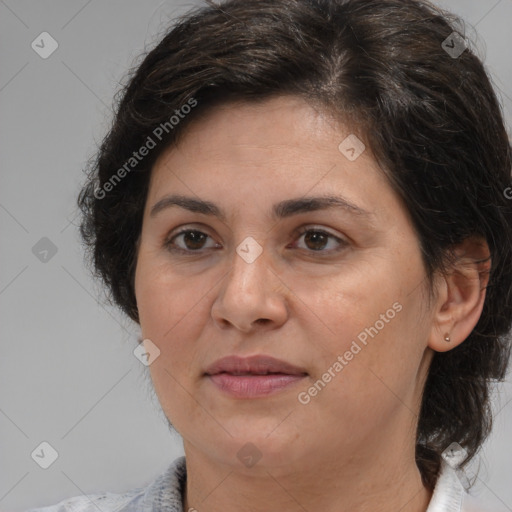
(258, 364)
(252, 377)
(253, 386)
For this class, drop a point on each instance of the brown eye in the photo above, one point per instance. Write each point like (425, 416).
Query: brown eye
(317, 239)
(192, 240)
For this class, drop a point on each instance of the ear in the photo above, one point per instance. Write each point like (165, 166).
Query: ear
(460, 294)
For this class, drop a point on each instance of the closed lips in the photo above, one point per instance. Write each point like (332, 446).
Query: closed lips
(254, 365)
(253, 373)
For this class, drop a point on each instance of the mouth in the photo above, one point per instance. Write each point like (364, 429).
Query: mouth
(254, 365)
(253, 385)
(252, 377)
(254, 374)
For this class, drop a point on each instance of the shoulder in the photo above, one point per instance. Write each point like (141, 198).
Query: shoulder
(106, 502)
(163, 494)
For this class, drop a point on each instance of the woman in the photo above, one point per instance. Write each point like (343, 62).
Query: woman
(303, 205)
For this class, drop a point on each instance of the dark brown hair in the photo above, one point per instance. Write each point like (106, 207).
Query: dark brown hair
(430, 118)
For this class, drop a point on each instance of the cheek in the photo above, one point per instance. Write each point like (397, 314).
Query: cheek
(162, 298)
(169, 311)
(367, 372)
(375, 330)
(172, 313)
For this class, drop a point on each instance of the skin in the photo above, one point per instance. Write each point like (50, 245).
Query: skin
(351, 448)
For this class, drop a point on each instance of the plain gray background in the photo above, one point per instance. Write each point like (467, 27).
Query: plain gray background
(68, 375)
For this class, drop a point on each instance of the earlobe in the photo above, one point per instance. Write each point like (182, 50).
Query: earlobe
(461, 295)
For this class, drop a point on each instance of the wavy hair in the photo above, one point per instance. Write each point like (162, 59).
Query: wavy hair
(430, 117)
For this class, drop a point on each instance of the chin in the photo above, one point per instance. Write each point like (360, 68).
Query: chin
(260, 444)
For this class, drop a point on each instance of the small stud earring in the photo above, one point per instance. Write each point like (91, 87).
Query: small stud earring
(447, 338)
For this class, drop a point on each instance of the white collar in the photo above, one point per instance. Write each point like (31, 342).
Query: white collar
(449, 492)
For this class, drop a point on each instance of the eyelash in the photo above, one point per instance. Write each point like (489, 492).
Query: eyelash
(169, 244)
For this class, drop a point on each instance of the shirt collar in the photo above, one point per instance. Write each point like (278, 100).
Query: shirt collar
(166, 493)
(448, 493)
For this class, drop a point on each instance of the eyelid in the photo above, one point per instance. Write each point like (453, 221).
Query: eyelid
(314, 227)
(342, 240)
(168, 240)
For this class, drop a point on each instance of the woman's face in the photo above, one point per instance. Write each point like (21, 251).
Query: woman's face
(344, 302)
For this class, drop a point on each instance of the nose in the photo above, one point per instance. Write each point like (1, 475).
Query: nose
(251, 295)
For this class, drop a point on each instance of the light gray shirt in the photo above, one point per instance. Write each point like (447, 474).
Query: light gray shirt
(165, 494)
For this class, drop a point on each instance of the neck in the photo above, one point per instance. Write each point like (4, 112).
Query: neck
(314, 484)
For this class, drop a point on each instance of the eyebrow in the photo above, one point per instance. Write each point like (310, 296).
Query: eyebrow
(280, 210)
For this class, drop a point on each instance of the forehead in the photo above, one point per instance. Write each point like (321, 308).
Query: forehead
(281, 148)
(285, 132)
